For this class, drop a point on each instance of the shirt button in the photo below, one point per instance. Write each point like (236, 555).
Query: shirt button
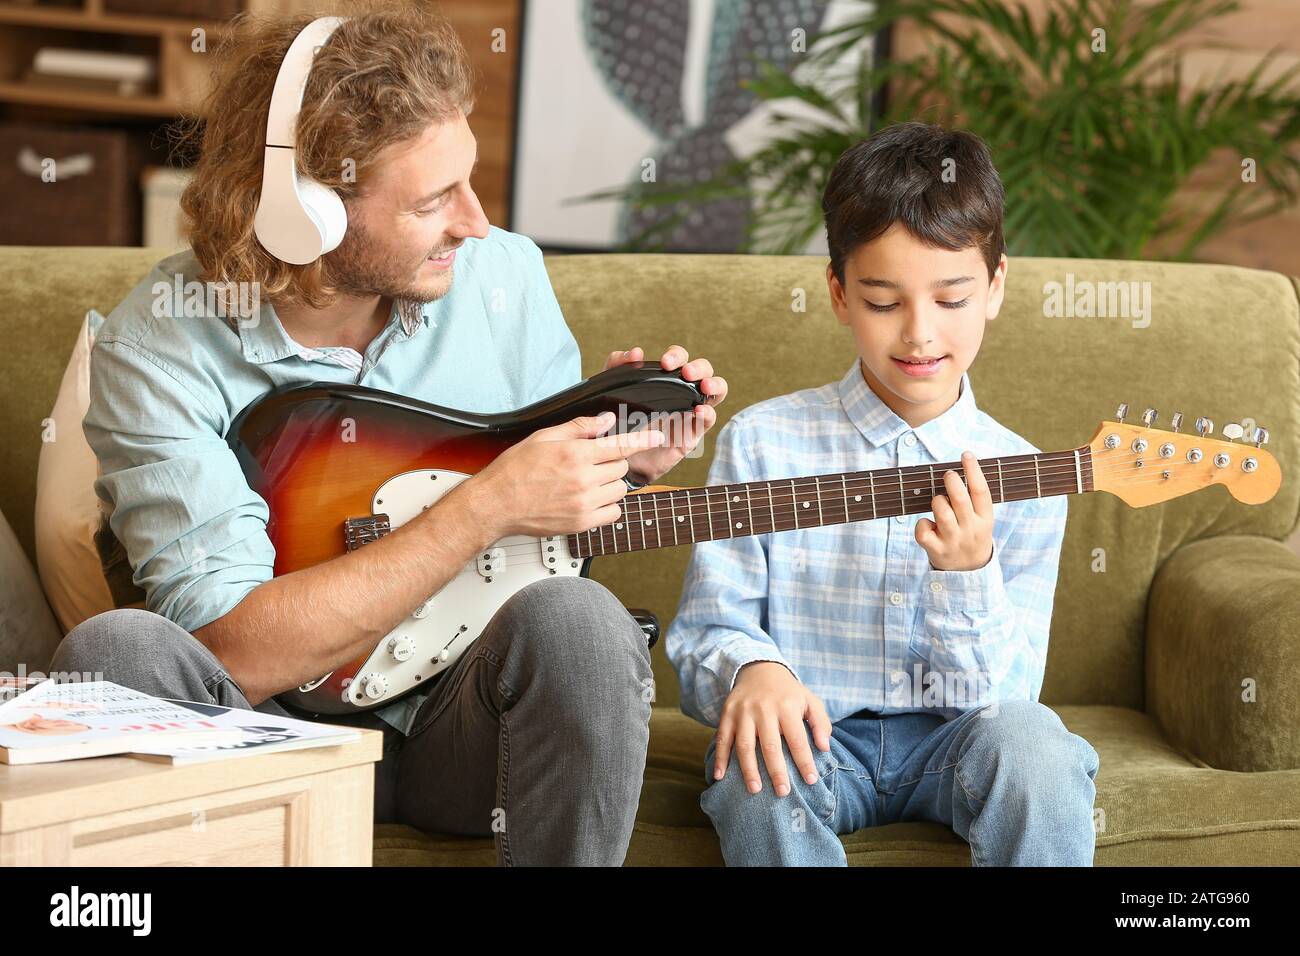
(895, 598)
(910, 439)
(936, 586)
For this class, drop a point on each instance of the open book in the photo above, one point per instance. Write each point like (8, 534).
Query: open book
(65, 721)
(58, 720)
(259, 733)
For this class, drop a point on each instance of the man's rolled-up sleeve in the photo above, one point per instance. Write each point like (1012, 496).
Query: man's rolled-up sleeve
(192, 528)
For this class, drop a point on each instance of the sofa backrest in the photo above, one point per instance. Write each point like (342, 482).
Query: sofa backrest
(1222, 342)
(1218, 341)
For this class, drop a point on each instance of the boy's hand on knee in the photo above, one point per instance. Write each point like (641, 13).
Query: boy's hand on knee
(767, 703)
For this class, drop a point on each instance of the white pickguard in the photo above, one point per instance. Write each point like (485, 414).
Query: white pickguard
(436, 633)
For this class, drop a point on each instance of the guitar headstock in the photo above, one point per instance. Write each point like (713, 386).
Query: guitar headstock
(1143, 465)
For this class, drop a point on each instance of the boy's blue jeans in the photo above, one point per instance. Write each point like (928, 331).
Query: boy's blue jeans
(1008, 778)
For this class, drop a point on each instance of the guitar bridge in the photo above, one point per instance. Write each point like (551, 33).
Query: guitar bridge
(359, 531)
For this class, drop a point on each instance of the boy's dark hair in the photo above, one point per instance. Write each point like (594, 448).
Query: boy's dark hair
(897, 175)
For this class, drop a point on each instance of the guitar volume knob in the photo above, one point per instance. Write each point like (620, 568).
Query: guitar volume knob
(401, 648)
(376, 686)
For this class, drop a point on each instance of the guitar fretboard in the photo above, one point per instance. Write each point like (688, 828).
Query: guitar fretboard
(662, 519)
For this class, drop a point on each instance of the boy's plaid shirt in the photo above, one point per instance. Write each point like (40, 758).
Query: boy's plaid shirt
(855, 611)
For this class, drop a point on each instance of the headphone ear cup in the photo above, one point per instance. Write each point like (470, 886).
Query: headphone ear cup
(326, 210)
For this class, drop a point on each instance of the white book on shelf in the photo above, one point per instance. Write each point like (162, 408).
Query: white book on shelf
(94, 64)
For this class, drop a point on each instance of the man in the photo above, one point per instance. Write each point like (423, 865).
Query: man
(532, 736)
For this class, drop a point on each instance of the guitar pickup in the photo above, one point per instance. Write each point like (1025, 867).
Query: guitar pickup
(491, 562)
(552, 552)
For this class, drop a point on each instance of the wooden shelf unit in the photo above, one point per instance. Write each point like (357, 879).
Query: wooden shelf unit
(182, 73)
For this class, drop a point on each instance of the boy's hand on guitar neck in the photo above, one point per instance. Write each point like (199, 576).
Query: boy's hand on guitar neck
(961, 536)
(767, 703)
(648, 466)
(558, 480)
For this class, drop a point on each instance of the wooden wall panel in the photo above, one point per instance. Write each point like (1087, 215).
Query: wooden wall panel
(493, 117)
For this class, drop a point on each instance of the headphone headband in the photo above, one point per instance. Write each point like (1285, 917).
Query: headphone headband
(298, 220)
(291, 81)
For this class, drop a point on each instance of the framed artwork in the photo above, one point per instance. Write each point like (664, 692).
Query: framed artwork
(606, 86)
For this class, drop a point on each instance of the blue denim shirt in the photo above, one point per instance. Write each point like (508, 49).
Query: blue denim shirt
(167, 379)
(856, 611)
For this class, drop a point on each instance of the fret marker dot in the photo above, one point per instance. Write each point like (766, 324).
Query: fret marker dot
(805, 504)
(739, 525)
(857, 497)
(916, 491)
(649, 521)
(619, 525)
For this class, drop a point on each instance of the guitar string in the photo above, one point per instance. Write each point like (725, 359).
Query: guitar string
(779, 489)
(1062, 465)
(829, 495)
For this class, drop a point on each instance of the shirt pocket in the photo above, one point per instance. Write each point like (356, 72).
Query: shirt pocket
(918, 644)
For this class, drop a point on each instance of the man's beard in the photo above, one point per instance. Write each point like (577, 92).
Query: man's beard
(355, 269)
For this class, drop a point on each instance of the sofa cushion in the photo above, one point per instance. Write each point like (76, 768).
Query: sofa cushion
(28, 632)
(67, 509)
(1154, 806)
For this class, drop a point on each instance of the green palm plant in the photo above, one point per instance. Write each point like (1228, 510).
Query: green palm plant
(1094, 134)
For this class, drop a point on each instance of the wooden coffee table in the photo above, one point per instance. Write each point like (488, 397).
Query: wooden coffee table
(300, 808)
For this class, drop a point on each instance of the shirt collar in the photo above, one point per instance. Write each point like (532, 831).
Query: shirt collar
(265, 340)
(945, 436)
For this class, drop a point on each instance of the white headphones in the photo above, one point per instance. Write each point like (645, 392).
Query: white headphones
(298, 220)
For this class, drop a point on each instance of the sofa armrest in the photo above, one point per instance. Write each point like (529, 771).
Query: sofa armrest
(1223, 652)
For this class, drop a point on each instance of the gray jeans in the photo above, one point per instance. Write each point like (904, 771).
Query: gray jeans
(536, 736)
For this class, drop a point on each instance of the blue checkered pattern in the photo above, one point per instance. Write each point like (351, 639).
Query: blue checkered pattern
(855, 611)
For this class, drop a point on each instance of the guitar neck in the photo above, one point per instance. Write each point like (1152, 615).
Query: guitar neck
(662, 519)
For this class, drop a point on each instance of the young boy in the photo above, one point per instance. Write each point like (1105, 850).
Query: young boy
(909, 656)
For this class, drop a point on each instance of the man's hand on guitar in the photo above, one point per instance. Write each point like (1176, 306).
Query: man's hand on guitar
(558, 480)
(646, 467)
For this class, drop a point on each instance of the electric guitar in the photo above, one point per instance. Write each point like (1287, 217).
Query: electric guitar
(342, 465)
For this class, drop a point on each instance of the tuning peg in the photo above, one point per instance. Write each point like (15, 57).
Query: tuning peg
(1204, 427)
(1233, 431)
(1177, 420)
(1149, 417)
(1261, 437)
(1121, 412)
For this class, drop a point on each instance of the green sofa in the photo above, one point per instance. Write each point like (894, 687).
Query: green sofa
(1197, 598)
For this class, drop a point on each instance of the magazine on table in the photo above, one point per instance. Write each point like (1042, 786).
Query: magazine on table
(11, 687)
(69, 720)
(259, 733)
